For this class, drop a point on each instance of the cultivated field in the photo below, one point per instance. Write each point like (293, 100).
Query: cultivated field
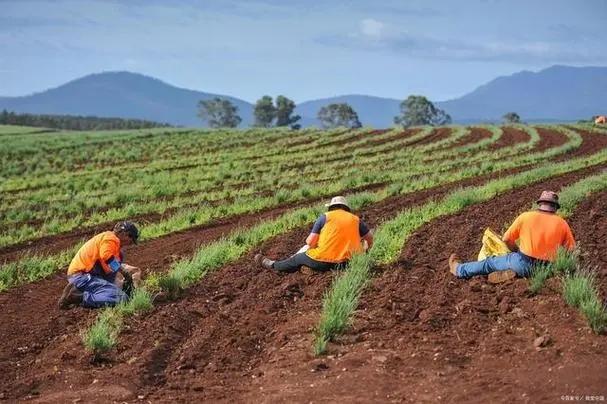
(395, 326)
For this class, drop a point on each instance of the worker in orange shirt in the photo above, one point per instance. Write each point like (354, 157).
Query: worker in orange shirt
(335, 236)
(540, 234)
(92, 274)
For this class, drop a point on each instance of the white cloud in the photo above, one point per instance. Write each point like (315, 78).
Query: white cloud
(372, 28)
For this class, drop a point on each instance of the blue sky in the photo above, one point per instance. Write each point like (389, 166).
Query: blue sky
(303, 49)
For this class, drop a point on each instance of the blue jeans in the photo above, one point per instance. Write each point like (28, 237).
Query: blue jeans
(518, 262)
(98, 289)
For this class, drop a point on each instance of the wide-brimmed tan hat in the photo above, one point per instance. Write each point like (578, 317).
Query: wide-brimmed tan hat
(549, 201)
(338, 200)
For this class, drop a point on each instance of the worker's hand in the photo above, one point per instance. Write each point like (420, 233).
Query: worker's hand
(129, 268)
(127, 276)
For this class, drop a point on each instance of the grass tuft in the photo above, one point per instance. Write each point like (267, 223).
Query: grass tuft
(566, 261)
(102, 336)
(140, 301)
(539, 275)
(565, 264)
(341, 301)
(578, 288)
(596, 314)
(580, 291)
(171, 285)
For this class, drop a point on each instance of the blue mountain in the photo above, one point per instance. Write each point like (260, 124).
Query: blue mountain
(558, 93)
(121, 95)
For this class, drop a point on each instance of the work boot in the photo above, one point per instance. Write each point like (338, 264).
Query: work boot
(263, 261)
(70, 295)
(453, 263)
(501, 276)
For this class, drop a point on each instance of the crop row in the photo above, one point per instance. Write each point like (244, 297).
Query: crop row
(578, 283)
(402, 181)
(153, 145)
(96, 182)
(61, 223)
(389, 241)
(342, 298)
(33, 209)
(194, 190)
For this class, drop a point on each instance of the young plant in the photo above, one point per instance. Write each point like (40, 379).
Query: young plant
(102, 336)
(539, 275)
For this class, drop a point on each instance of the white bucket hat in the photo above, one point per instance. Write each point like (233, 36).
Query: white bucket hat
(338, 200)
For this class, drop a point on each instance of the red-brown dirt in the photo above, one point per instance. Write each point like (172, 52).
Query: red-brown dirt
(549, 138)
(592, 142)
(474, 136)
(589, 222)
(243, 328)
(510, 137)
(435, 136)
(359, 136)
(378, 142)
(422, 335)
(24, 302)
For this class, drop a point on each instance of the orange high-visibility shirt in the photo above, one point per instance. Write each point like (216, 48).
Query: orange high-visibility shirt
(339, 237)
(100, 248)
(540, 234)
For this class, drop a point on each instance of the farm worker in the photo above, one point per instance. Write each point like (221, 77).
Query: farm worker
(540, 233)
(335, 236)
(92, 273)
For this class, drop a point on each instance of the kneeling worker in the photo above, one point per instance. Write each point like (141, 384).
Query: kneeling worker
(335, 236)
(92, 272)
(540, 234)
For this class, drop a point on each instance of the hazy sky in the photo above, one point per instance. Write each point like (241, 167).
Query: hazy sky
(301, 48)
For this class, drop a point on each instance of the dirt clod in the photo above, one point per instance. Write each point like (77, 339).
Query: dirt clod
(542, 341)
(504, 305)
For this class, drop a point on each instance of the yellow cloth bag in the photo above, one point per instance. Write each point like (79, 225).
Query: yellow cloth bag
(492, 245)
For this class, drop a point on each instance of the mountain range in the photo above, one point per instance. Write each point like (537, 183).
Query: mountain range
(558, 93)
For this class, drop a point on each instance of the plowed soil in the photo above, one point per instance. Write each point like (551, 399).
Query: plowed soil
(422, 335)
(18, 359)
(378, 142)
(592, 142)
(475, 136)
(435, 136)
(510, 137)
(549, 138)
(589, 224)
(244, 333)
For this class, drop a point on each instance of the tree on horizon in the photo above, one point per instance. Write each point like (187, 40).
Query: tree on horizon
(418, 110)
(219, 113)
(264, 112)
(284, 113)
(512, 117)
(336, 115)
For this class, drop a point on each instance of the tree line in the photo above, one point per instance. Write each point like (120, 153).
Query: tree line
(74, 122)
(221, 113)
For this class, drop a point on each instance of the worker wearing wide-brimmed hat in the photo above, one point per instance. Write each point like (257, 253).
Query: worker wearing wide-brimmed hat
(92, 274)
(540, 233)
(335, 236)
